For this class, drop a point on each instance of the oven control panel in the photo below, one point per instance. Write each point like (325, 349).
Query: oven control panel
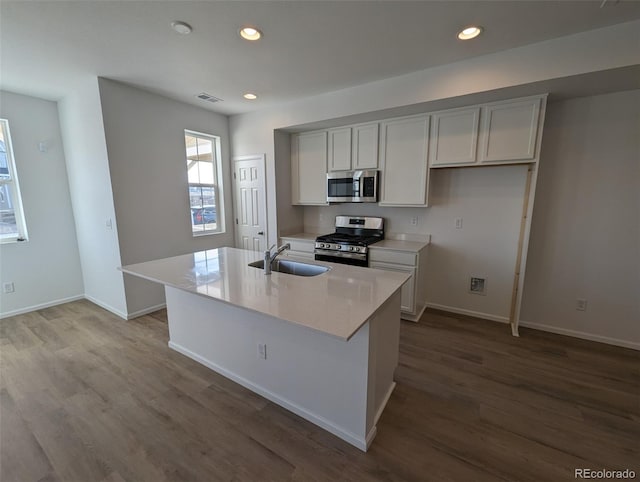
(341, 247)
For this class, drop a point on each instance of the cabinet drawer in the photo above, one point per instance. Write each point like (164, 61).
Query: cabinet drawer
(298, 245)
(395, 257)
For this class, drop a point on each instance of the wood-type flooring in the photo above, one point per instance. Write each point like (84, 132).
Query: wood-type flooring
(86, 396)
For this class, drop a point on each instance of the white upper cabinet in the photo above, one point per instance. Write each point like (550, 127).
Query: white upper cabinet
(353, 148)
(365, 147)
(309, 168)
(454, 137)
(339, 155)
(509, 131)
(404, 146)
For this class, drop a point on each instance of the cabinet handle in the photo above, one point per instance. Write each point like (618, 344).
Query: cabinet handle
(261, 233)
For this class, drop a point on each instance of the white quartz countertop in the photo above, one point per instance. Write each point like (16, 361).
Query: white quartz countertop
(337, 302)
(302, 236)
(394, 242)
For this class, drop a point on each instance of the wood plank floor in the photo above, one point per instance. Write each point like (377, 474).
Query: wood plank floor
(85, 396)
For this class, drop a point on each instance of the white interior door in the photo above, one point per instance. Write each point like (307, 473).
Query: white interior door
(251, 202)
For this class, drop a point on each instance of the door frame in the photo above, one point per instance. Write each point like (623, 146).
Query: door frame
(261, 158)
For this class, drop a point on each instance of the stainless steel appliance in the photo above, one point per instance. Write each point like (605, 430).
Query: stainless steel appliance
(352, 187)
(349, 244)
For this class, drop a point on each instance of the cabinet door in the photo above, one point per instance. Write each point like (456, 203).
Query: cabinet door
(299, 245)
(404, 145)
(509, 131)
(365, 147)
(454, 137)
(339, 155)
(407, 294)
(309, 168)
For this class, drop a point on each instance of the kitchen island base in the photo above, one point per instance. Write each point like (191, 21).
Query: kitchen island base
(340, 385)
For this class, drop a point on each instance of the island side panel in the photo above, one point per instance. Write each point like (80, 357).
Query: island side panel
(384, 345)
(320, 377)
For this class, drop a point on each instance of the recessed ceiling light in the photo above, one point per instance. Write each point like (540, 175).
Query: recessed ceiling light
(181, 27)
(250, 33)
(250, 96)
(469, 33)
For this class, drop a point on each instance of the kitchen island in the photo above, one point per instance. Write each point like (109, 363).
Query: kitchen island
(324, 347)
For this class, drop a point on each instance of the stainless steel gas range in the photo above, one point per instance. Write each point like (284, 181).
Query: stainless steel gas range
(349, 243)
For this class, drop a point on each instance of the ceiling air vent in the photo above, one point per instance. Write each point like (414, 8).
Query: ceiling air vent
(207, 97)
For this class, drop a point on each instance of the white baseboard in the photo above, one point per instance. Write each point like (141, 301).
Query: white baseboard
(353, 439)
(41, 306)
(542, 327)
(107, 307)
(382, 406)
(146, 311)
(93, 300)
(581, 334)
(476, 314)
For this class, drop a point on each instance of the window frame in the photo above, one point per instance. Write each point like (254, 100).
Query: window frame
(15, 193)
(217, 186)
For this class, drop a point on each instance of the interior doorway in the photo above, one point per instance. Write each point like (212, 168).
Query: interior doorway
(250, 196)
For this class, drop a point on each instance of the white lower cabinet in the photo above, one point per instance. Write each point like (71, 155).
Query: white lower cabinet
(300, 248)
(413, 296)
(408, 294)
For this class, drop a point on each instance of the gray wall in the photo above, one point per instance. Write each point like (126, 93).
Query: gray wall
(145, 142)
(585, 238)
(46, 269)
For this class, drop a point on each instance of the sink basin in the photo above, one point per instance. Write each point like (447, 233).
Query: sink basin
(292, 267)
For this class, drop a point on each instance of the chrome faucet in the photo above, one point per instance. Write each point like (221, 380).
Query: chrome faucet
(269, 258)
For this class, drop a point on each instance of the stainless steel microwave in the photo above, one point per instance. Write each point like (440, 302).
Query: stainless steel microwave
(352, 187)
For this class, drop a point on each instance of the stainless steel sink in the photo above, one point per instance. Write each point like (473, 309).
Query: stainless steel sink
(292, 267)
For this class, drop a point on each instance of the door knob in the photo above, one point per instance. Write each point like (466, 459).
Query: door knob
(261, 233)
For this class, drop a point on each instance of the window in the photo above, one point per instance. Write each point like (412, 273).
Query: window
(12, 225)
(204, 173)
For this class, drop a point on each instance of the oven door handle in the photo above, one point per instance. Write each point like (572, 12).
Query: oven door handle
(340, 254)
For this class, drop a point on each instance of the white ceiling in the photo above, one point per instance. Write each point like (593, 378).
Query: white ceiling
(309, 47)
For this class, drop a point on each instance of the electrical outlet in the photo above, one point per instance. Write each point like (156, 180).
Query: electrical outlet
(458, 223)
(581, 304)
(8, 287)
(262, 351)
(414, 220)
